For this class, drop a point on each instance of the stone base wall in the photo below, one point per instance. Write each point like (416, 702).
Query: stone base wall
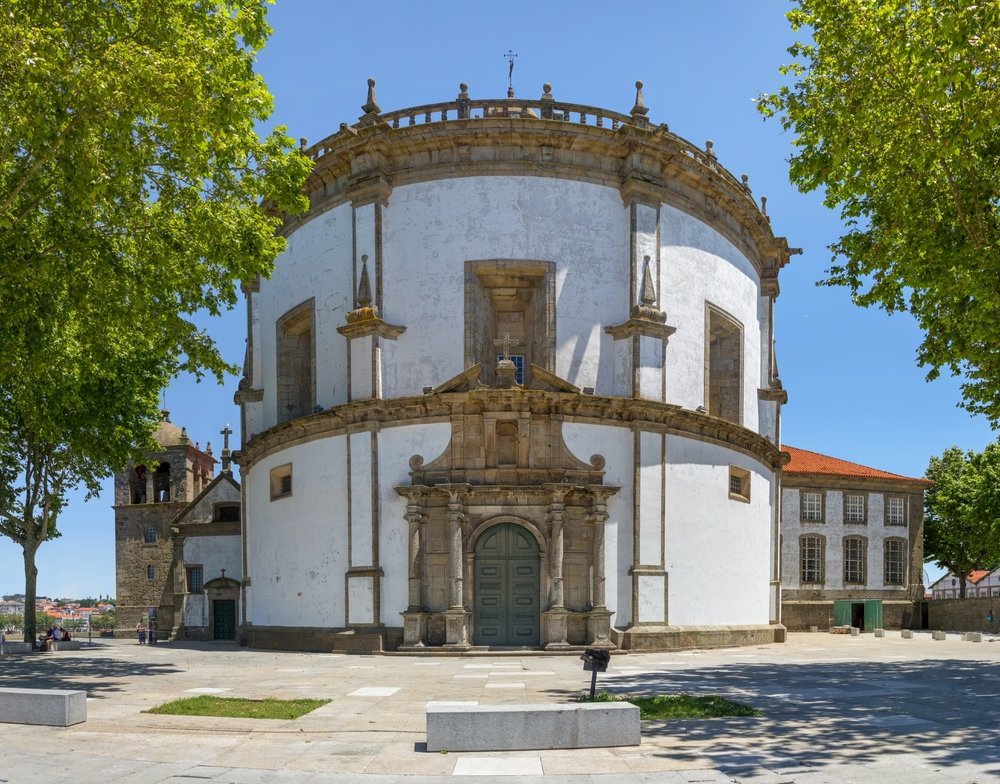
(669, 638)
(800, 616)
(288, 638)
(964, 615)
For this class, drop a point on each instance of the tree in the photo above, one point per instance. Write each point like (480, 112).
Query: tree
(895, 108)
(131, 182)
(962, 511)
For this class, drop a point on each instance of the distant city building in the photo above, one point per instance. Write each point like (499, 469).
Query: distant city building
(978, 584)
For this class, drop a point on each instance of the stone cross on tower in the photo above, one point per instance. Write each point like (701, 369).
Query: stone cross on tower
(506, 341)
(226, 454)
(506, 369)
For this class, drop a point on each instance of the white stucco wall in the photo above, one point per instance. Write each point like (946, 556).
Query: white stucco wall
(615, 445)
(297, 545)
(699, 265)
(396, 446)
(717, 549)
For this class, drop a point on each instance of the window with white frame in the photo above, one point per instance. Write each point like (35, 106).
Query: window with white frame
(855, 555)
(811, 510)
(895, 561)
(812, 559)
(854, 508)
(895, 510)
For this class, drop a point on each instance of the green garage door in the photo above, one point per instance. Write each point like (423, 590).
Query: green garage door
(506, 587)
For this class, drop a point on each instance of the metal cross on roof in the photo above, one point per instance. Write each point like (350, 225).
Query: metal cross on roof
(510, 69)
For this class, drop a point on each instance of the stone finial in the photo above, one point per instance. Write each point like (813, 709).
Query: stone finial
(364, 286)
(646, 309)
(208, 448)
(745, 180)
(639, 111)
(710, 148)
(303, 143)
(164, 415)
(648, 294)
(463, 91)
(763, 206)
(463, 101)
(226, 454)
(370, 107)
(547, 101)
(510, 92)
(184, 436)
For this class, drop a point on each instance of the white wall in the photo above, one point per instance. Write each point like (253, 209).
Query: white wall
(699, 265)
(717, 549)
(615, 444)
(297, 546)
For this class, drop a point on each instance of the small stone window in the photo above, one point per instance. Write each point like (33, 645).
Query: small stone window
(228, 512)
(149, 536)
(150, 572)
(195, 579)
(854, 509)
(810, 506)
(895, 510)
(281, 481)
(739, 484)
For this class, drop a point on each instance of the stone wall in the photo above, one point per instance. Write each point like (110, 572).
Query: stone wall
(964, 615)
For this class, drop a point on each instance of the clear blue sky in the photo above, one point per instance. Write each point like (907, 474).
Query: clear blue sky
(855, 391)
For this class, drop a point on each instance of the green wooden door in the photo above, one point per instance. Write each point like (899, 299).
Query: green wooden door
(506, 587)
(224, 619)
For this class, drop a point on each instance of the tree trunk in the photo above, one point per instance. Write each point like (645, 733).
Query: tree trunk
(30, 589)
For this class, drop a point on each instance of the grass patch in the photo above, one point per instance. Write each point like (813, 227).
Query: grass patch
(678, 706)
(238, 708)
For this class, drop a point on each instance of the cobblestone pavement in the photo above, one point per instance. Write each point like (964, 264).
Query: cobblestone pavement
(837, 709)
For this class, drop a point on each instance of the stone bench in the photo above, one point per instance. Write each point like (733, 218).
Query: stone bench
(939, 636)
(16, 646)
(521, 727)
(53, 707)
(973, 636)
(64, 645)
(906, 634)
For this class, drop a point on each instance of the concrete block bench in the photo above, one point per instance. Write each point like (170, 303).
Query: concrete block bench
(18, 646)
(64, 645)
(906, 634)
(53, 707)
(939, 636)
(973, 636)
(521, 727)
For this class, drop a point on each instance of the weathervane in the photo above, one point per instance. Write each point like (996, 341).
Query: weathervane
(510, 67)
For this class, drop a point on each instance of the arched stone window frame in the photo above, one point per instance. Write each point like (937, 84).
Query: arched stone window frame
(855, 567)
(804, 541)
(295, 362)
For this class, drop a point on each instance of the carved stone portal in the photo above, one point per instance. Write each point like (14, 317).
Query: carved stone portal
(506, 465)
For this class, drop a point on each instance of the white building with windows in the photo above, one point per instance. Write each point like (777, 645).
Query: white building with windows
(851, 544)
(979, 584)
(512, 383)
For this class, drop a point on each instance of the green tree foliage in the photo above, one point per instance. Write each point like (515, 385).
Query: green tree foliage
(895, 107)
(962, 511)
(131, 178)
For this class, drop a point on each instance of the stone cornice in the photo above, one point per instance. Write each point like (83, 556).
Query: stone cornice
(899, 486)
(647, 164)
(641, 326)
(593, 409)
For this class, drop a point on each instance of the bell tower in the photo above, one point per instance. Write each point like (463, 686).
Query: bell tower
(148, 496)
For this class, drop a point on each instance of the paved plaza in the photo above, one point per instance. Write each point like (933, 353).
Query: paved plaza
(837, 709)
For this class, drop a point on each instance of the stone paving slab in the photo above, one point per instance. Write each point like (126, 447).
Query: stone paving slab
(837, 709)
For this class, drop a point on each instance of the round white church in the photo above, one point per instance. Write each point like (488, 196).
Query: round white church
(512, 384)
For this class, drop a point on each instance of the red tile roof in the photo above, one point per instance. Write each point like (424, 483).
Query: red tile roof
(806, 462)
(976, 576)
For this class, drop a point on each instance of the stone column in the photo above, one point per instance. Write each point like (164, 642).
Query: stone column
(556, 517)
(456, 516)
(599, 623)
(598, 517)
(415, 519)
